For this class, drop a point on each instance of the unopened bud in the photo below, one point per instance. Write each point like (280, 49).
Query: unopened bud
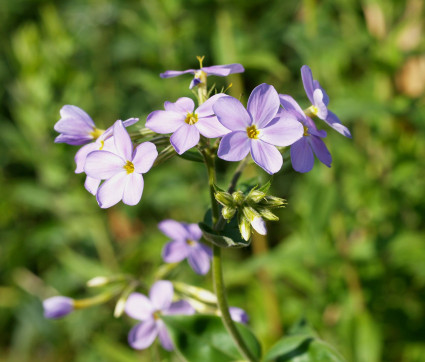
(244, 227)
(273, 201)
(98, 282)
(238, 197)
(256, 196)
(255, 219)
(228, 212)
(224, 198)
(57, 307)
(267, 214)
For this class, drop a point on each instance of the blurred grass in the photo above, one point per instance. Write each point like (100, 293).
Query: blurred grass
(349, 251)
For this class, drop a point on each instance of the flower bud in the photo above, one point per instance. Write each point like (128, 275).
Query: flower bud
(256, 196)
(57, 307)
(238, 315)
(244, 227)
(224, 198)
(238, 197)
(273, 201)
(98, 282)
(267, 214)
(255, 220)
(228, 212)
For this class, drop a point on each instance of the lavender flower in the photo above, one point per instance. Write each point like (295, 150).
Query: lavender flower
(121, 169)
(238, 315)
(320, 100)
(186, 124)
(185, 245)
(149, 311)
(258, 129)
(57, 307)
(302, 151)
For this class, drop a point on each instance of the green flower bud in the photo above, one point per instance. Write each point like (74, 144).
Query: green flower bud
(267, 214)
(255, 196)
(273, 202)
(238, 197)
(250, 213)
(228, 212)
(244, 227)
(224, 198)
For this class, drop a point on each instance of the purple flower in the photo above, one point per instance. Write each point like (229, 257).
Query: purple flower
(186, 124)
(302, 151)
(122, 169)
(320, 100)
(57, 307)
(238, 315)
(149, 311)
(185, 245)
(201, 74)
(258, 129)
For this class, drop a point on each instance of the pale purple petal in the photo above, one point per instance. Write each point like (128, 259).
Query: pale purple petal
(186, 137)
(161, 294)
(103, 164)
(232, 114)
(223, 70)
(194, 232)
(320, 150)
(175, 73)
(238, 315)
(111, 191)
(318, 102)
(263, 104)
(133, 189)
(266, 156)
(316, 85)
(199, 260)
(302, 156)
(144, 156)
(164, 336)
(74, 121)
(143, 334)
(206, 108)
(333, 121)
(207, 249)
(182, 105)
(108, 133)
(138, 306)
(290, 104)
(259, 225)
(283, 131)
(74, 140)
(92, 185)
(173, 229)
(210, 127)
(312, 129)
(165, 121)
(122, 140)
(234, 146)
(81, 155)
(307, 77)
(57, 307)
(175, 251)
(182, 307)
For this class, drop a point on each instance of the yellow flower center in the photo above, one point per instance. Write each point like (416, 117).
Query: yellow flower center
(96, 132)
(305, 131)
(190, 242)
(157, 315)
(311, 111)
(252, 132)
(102, 144)
(191, 118)
(129, 167)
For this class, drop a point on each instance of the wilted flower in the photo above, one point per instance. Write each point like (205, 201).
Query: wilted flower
(57, 307)
(185, 245)
(149, 311)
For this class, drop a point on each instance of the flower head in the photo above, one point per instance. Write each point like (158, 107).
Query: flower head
(320, 100)
(186, 123)
(149, 311)
(185, 245)
(57, 307)
(238, 315)
(257, 129)
(122, 169)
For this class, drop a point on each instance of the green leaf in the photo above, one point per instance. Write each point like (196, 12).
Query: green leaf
(192, 156)
(204, 338)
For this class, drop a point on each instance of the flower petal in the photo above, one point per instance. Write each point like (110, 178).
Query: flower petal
(206, 108)
(144, 156)
(224, 70)
(164, 337)
(74, 140)
(302, 156)
(103, 164)
(57, 307)
(194, 232)
(161, 294)
(321, 106)
(210, 127)
(186, 137)
(307, 77)
(180, 307)
(238, 315)
(111, 191)
(173, 229)
(320, 150)
(259, 225)
(92, 185)
(234, 146)
(175, 251)
(122, 141)
(81, 155)
(74, 121)
(266, 156)
(290, 104)
(199, 260)
(175, 73)
(143, 334)
(138, 306)
(283, 131)
(316, 85)
(133, 189)
(232, 114)
(182, 105)
(333, 121)
(165, 121)
(263, 104)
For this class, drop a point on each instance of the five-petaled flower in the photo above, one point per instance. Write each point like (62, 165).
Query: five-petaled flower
(149, 311)
(185, 123)
(257, 129)
(122, 169)
(185, 245)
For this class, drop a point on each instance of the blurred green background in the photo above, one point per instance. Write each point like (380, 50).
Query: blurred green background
(349, 251)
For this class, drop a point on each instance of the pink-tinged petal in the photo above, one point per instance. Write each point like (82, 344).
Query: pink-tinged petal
(307, 78)
(175, 73)
(259, 225)
(266, 156)
(232, 114)
(186, 137)
(290, 104)
(182, 105)
(263, 104)
(133, 189)
(194, 232)
(164, 122)
(138, 306)
(161, 294)
(175, 251)
(180, 307)
(74, 140)
(92, 185)
(206, 108)
(320, 150)
(144, 156)
(316, 85)
(302, 157)
(333, 121)
(173, 229)
(164, 337)
(199, 260)
(81, 155)
(234, 146)
(322, 110)
(143, 334)
(224, 70)
(210, 127)
(122, 140)
(103, 164)
(283, 131)
(111, 191)
(74, 121)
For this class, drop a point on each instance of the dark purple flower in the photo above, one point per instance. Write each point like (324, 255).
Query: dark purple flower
(257, 129)
(121, 169)
(185, 123)
(302, 151)
(149, 311)
(238, 315)
(57, 307)
(185, 245)
(320, 100)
